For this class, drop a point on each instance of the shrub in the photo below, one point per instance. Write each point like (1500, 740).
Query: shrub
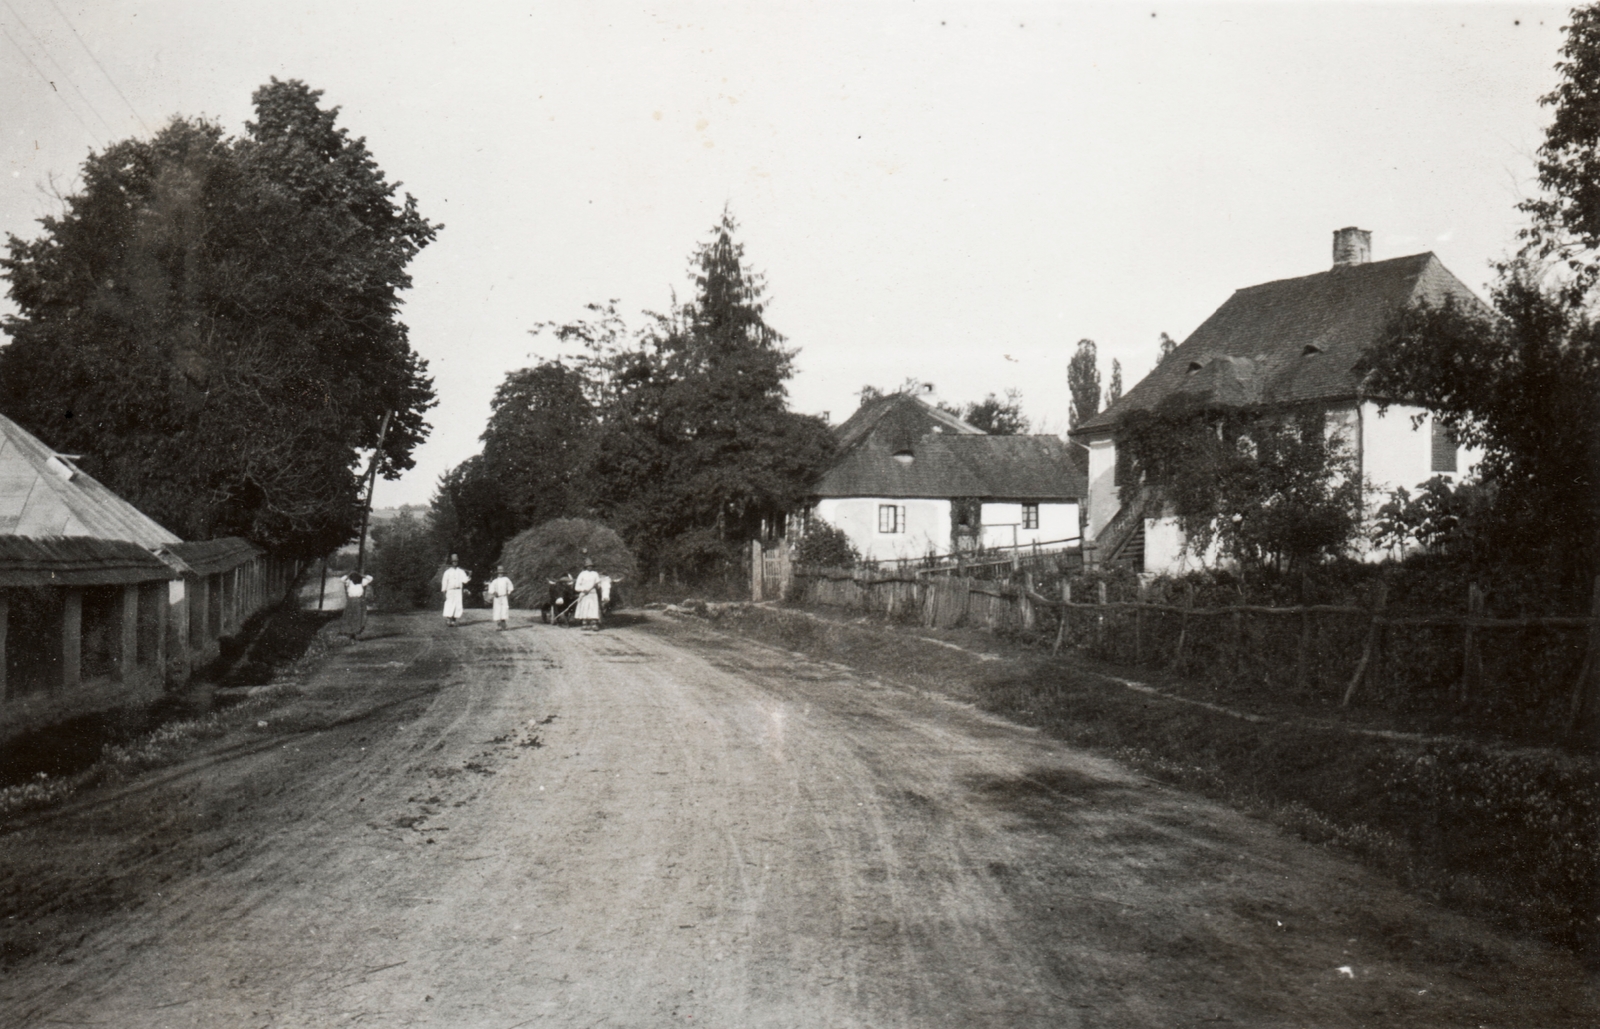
(825, 546)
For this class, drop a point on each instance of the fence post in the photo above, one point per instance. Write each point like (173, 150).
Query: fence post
(1061, 633)
(1372, 643)
(1471, 663)
(1100, 620)
(1589, 673)
(1183, 626)
(1138, 627)
(1238, 642)
(1302, 652)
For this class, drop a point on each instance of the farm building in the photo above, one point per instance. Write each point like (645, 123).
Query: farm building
(1291, 344)
(912, 481)
(100, 606)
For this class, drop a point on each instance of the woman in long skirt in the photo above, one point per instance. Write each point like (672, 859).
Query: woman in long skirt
(355, 604)
(587, 587)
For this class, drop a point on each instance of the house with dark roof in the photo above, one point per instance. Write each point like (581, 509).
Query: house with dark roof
(1292, 344)
(912, 480)
(101, 606)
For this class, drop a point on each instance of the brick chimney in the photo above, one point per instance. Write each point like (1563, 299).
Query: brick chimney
(1351, 246)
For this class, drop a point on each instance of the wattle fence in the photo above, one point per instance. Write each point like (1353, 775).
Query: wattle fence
(1540, 673)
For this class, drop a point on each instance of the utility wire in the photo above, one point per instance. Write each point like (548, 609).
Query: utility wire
(97, 64)
(46, 79)
(65, 77)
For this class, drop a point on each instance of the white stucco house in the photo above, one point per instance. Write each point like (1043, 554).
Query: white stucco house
(1293, 343)
(912, 480)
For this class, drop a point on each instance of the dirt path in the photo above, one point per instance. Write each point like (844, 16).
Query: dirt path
(709, 832)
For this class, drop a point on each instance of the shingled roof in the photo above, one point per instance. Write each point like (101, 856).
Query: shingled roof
(76, 561)
(949, 458)
(1291, 341)
(43, 494)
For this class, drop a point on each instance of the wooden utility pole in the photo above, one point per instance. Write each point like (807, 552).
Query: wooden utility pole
(372, 483)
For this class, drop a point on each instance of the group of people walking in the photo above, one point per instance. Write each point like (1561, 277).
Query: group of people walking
(590, 586)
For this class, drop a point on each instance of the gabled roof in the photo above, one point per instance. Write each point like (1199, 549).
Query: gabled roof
(960, 465)
(43, 494)
(902, 414)
(76, 561)
(1291, 341)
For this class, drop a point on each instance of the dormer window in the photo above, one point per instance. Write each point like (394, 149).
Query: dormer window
(1195, 366)
(904, 456)
(1311, 348)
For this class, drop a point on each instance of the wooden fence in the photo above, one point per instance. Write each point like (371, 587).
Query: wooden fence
(1543, 671)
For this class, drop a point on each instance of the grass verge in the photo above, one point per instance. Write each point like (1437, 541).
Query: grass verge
(1512, 834)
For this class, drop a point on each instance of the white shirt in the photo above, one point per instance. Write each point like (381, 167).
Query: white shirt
(587, 580)
(454, 579)
(501, 587)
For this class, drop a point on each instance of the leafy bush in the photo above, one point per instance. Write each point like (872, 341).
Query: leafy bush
(1268, 489)
(825, 546)
(1439, 518)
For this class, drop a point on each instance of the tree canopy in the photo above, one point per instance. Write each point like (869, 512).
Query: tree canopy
(998, 416)
(678, 435)
(212, 322)
(1523, 381)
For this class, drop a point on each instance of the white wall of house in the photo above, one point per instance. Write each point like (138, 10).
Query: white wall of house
(1395, 453)
(927, 525)
(1103, 495)
(1056, 522)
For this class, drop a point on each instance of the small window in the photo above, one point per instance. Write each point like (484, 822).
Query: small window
(1444, 447)
(1311, 348)
(1030, 516)
(891, 518)
(1195, 366)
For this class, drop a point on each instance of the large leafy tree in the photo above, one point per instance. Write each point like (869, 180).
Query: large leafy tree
(212, 322)
(1523, 384)
(693, 445)
(537, 441)
(1523, 381)
(998, 416)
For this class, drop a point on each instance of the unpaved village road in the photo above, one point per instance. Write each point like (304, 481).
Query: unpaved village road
(711, 832)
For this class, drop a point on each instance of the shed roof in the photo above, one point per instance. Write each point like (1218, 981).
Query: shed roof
(76, 561)
(43, 494)
(1291, 341)
(208, 557)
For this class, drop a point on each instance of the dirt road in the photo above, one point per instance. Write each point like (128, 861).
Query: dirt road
(658, 825)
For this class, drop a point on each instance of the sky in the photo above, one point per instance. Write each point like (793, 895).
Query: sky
(952, 192)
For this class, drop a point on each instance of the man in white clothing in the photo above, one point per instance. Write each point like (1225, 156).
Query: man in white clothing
(587, 586)
(500, 588)
(451, 585)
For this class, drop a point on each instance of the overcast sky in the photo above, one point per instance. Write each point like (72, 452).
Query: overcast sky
(953, 191)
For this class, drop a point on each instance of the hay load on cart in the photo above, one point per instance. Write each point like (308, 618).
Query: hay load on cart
(544, 560)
